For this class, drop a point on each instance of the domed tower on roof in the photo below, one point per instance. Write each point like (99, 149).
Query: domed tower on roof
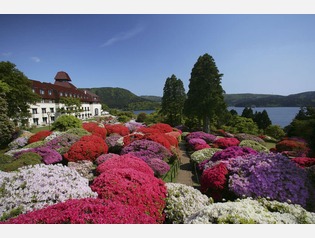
(62, 76)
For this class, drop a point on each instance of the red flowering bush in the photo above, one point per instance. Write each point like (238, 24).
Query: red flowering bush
(298, 148)
(87, 148)
(201, 147)
(159, 138)
(304, 161)
(95, 129)
(226, 142)
(117, 129)
(85, 211)
(124, 162)
(162, 127)
(134, 188)
(213, 181)
(148, 130)
(41, 135)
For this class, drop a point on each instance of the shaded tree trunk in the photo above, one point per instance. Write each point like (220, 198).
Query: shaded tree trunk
(206, 124)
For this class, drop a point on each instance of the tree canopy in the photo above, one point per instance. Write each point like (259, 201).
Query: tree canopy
(205, 97)
(20, 94)
(173, 100)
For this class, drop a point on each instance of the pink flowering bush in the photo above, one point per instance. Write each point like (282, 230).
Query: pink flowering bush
(223, 143)
(134, 188)
(85, 211)
(124, 162)
(208, 138)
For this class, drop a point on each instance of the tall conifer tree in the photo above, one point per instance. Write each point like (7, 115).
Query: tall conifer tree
(205, 97)
(173, 100)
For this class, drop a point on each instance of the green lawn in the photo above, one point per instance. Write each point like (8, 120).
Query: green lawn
(37, 129)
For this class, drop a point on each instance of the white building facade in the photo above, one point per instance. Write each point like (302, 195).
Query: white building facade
(49, 109)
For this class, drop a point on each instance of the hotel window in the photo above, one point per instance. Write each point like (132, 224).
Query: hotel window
(41, 91)
(34, 110)
(52, 110)
(45, 120)
(49, 92)
(35, 121)
(66, 94)
(43, 110)
(70, 94)
(61, 94)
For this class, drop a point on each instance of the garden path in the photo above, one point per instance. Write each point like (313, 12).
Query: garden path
(186, 174)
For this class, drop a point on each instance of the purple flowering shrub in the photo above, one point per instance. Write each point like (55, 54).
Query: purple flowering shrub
(85, 211)
(197, 144)
(18, 143)
(268, 175)
(63, 142)
(114, 143)
(226, 154)
(208, 138)
(146, 149)
(133, 125)
(160, 167)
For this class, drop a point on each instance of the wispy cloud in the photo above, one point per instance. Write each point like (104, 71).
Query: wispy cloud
(124, 35)
(6, 53)
(35, 59)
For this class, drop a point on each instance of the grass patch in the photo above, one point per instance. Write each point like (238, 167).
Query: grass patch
(37, 129)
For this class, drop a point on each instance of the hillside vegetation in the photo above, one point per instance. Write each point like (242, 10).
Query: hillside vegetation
(124, 99)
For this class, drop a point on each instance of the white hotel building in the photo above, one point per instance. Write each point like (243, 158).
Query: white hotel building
(47, 111)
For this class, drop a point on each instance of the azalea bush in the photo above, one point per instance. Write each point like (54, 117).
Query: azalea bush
(183, 201)
(18, 143)
(159, 167)
(119, 129)
(146, 149)
(134, 188)
(162, 127)
(132, 137)
(41, 135)
(95, 129)
(115, 143)
(223, 143)
(102, 158)
(125, 162)
(133, 125)
(250, 211)
(304, 161)
(244, 136)
(254, 145)
(85, 211)
(269, 175)
(208, 138)
(25, 159)
(298, 146)
(87, 148)
(62, 143)
(201, 155)
(33, 187)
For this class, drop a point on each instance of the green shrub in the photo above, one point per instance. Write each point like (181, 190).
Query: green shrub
(254, 145)
(241, 125)
(66, 122)
(4, 159)
(35, 144)
(78, 131)
(275, 131)
(25, 159)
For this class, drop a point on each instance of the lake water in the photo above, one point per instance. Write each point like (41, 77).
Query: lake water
(281, 116)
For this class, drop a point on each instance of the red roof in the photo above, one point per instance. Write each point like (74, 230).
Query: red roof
(62, 76)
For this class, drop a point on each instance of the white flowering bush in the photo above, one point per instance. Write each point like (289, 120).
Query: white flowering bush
(201, 155)
(182, 201)
(250, 211)
(53, 135)
(33, 187)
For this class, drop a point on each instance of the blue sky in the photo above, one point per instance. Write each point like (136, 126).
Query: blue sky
(257, 53)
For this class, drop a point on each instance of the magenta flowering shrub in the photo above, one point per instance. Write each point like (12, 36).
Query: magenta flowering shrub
(102, 158)
(208, 138)
(49, 156)
(269, 175)
(124, 162)
(226, 154)
(146, 149)
(134, 188)
(85, 211)
(159, 167)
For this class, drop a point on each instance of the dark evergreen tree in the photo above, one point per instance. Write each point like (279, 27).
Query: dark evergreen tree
(205, 97)
(173, 101)
(6, 125)
(233, 112)
(262, 119)
(21, 94)
(248, 113)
